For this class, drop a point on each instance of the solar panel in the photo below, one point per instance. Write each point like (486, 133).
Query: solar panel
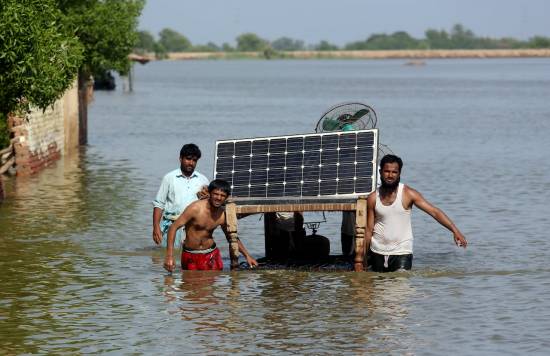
(332, 165)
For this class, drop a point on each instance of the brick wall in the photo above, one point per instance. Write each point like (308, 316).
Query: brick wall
(42, 137)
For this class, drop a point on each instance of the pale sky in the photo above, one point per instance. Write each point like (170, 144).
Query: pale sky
(343, 21)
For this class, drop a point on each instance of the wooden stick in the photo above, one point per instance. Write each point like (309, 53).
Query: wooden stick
(360, 228)
(7, 149)
(6, 156)
(231, 216)
(271, 208)
(7, 166)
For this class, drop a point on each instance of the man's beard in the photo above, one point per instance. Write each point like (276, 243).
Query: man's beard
(186, 170)
(390, 186)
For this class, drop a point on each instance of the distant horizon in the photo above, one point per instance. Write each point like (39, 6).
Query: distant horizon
(219, 21)
(449, 31)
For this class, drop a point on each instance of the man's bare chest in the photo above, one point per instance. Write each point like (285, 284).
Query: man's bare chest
(208, 222)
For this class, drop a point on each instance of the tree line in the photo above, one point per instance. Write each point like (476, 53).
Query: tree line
(458, 37)
(46, 44)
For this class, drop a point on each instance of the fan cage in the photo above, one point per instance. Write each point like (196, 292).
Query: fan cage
(348, 108)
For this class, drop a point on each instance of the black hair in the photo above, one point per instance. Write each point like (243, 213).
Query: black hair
(391, 159)
(190, 150)
(220, 184)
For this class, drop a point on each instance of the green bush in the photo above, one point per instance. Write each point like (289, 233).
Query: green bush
(4, 133)
(539, 42)
(145, 42)
(174, 41)
(250, 42)
(107, 29)
(38, 56)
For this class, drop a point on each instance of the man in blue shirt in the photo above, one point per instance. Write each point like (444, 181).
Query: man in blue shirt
(178, 189)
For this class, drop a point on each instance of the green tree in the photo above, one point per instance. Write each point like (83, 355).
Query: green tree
(287, 44)
(402, 40)
(39, 58)
(462, 38)
(356, 46)
(209, 47)
(160, 51)
(226, 47)
(397, 40)
(539, 42)
(508, 42)
(173, 41)
(325, 46)
(437, 39)
(145, 42)
(4, 133)
(250, 42)
(107, 29)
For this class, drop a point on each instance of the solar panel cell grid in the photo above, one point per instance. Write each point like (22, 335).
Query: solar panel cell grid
(298, 166)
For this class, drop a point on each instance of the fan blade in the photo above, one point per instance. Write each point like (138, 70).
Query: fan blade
(360, 113)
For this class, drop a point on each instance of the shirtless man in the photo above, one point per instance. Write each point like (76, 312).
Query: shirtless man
(389, 231)
(201, 218)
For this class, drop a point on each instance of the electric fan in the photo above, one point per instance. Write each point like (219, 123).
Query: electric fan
(347, 116)
(350, 116)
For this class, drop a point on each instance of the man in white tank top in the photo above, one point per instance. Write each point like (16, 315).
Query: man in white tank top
(389, 237)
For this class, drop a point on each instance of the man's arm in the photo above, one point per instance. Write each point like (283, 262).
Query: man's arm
(249, 259)
(371, 200)
(371, 203)
(157, 233)
(158, 207)
(183, 219)
(418, 200)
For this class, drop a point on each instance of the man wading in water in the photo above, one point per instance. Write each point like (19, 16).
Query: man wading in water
(201, 218)
(389, 231)
(179, 188)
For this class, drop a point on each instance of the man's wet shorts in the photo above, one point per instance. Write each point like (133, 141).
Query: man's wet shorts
(202, 260)
(390, 263)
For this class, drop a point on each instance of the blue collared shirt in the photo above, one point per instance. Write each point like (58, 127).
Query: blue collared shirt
(177, 191)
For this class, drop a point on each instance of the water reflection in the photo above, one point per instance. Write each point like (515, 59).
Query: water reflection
(70, 196)
(193, 287)
(47, 271)
(288, 311)
(45, 204)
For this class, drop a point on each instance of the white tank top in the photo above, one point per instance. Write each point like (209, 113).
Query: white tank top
(392, 227)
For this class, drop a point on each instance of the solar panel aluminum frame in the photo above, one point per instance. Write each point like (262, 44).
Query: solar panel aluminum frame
(220, 166)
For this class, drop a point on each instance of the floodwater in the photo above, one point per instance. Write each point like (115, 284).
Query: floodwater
(78, 273)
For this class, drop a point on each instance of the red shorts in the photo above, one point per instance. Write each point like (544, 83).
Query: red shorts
(201, 260)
